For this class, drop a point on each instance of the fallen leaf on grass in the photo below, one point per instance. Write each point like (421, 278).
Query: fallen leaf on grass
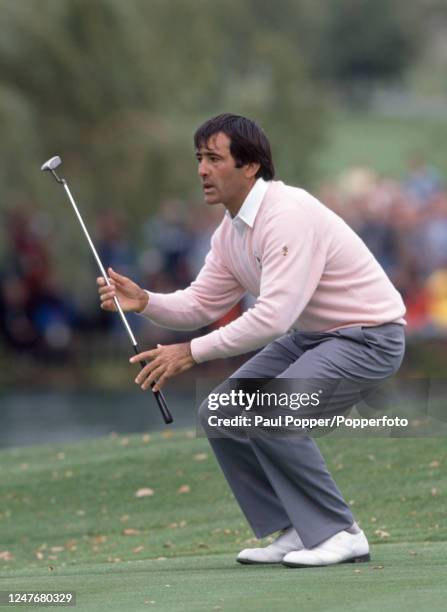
(144, 492)
(200, 457)
(124, 518)
(435, 464)
(175, 525)
(146, 438)
(377, 566)
(138, 549)
(381, 533)
(130, 532)
(5, 555)
(184, 489)
(56, 549)
(434, 491)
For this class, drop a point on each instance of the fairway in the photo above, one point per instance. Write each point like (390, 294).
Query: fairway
(385, 143)
(70, 519)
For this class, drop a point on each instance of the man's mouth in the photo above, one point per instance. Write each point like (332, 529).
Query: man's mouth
(207, 186)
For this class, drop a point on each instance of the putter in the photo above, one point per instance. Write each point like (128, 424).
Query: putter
(51, 166)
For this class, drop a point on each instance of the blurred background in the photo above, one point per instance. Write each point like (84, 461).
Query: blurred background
(353, 96)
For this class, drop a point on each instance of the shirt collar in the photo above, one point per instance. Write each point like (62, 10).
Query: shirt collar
(250, 207)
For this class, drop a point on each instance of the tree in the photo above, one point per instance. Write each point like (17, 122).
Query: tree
(369, 40)
(118, 88)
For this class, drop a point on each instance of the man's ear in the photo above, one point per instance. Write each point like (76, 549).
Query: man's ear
(251, 169)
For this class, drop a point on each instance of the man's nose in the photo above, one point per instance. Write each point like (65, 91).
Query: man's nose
(203, 168)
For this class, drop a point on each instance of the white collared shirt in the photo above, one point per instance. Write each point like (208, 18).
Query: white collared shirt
(250, 206)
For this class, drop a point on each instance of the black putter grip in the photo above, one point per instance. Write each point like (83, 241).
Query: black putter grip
(167, 416)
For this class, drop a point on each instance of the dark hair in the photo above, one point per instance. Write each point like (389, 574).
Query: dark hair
(248, 141)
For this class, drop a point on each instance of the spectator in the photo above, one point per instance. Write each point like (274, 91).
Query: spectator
(422, 182)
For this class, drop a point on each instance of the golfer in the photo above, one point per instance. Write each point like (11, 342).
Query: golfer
(324, 310)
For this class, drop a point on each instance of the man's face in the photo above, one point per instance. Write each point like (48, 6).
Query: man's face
(222, 182)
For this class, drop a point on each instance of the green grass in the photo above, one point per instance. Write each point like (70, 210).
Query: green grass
(63, 512)
(383, 142)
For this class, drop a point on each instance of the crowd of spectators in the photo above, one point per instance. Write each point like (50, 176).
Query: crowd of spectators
(404, 223)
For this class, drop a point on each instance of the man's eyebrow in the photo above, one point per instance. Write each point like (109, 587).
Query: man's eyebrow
(208, 152)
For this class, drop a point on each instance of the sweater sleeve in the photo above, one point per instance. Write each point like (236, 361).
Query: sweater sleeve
(208, 298)
(292, 265)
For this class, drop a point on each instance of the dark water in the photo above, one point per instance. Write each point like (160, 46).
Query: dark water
(49, 417)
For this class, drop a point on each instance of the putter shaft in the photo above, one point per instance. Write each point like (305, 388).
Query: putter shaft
(167, 417)
(98, 261)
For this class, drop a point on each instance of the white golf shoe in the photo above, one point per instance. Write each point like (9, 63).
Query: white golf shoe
(343, 547)
(287, 541)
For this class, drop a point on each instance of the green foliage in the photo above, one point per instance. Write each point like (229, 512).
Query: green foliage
(117, 89)
(365, 40)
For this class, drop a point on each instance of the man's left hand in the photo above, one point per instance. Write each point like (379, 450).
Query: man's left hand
(163, 362)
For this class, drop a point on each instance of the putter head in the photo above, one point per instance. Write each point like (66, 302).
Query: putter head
(52, 163)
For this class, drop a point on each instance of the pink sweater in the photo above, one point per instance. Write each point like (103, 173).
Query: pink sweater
(307, 268)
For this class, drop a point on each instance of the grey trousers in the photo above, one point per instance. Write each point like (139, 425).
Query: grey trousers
(280, 481)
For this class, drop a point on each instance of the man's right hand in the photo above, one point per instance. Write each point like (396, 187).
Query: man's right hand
(131, 296)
